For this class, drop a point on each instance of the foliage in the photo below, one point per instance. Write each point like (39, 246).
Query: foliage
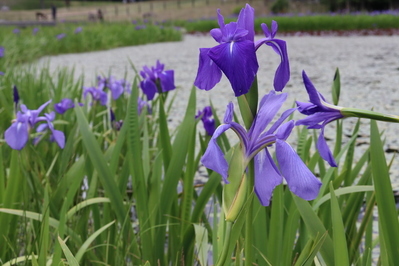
(27, 45)
(279, 6)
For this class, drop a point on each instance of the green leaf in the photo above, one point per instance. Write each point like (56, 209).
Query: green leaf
(201, 244)
(336, 87)
(315, 227)
(68, 254)
(339, 239)
(387, 213)
(88, 241)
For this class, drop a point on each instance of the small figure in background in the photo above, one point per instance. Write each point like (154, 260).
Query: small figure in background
(40, 16)
(54, 12)
(100, 15)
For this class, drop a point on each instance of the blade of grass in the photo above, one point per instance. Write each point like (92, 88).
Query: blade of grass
(387, 213)
(68, 254)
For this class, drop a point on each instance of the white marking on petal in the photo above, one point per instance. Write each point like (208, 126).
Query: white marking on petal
(231, 47)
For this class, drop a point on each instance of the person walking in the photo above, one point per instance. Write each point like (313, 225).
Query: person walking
(54, 12)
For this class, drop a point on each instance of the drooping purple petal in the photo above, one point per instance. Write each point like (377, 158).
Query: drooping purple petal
(282, 75)
(213, 157)
(208, 74)
(324, 150)
(17, 135)
(312, 92)
(267, 177)
(58, 137)
(238, 62)
(301, 181)
(149, 88)
(167, 80)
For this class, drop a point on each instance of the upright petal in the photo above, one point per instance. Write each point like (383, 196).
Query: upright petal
(208, 74)
(301, 181)
(246, 21)
(267, 177)
(268, 108)
(313, 93)
(213, 157)
(238, 62)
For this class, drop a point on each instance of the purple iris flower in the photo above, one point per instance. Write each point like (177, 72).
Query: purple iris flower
(1, 73)
(141, 104)
(16, 31)
(78, 30)
(255, 144)
(17, 134)
(1, 51)
(61, 36)
(35, 30)
(63, 106)
(319, 113)
(156, 79)
(234, 56)
(97, 94)
(282, 75)
(56, 135)
(208, 122)
(140, 27)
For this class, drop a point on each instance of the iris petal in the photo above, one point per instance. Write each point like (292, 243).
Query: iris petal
(246, 21)
(208, 74)
(213, 157)
(238, 62)
(17, 135)
(267, 177)
(282, 75)
(301, 181)
(167, 80)
(149, 88)
(324, 150)
(268, 108)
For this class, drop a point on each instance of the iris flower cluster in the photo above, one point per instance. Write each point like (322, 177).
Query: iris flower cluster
(235, 55)
(156, 79)
(17, 135)
(117, 88)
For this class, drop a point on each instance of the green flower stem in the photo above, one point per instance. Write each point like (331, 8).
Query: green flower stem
(222, 259)
(248, 245)
(354, 112)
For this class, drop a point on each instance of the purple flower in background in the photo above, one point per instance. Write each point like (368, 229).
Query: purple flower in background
(2, 51)
(234, 56)
(17, 134)
(97, 94)
(78, 30)
(117, 87)
(1, 73)
(63, 106)
(208, 122)
(255, 145)
(319, 113)
(282, 75)
(61, 36)
(35, 30)
(15, 95)
(140, 27)
(16, 31)
(156, 79)
(141, 104)
(115, 124)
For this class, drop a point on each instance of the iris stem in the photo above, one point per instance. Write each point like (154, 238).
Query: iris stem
(248, 245)
(222, 259)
